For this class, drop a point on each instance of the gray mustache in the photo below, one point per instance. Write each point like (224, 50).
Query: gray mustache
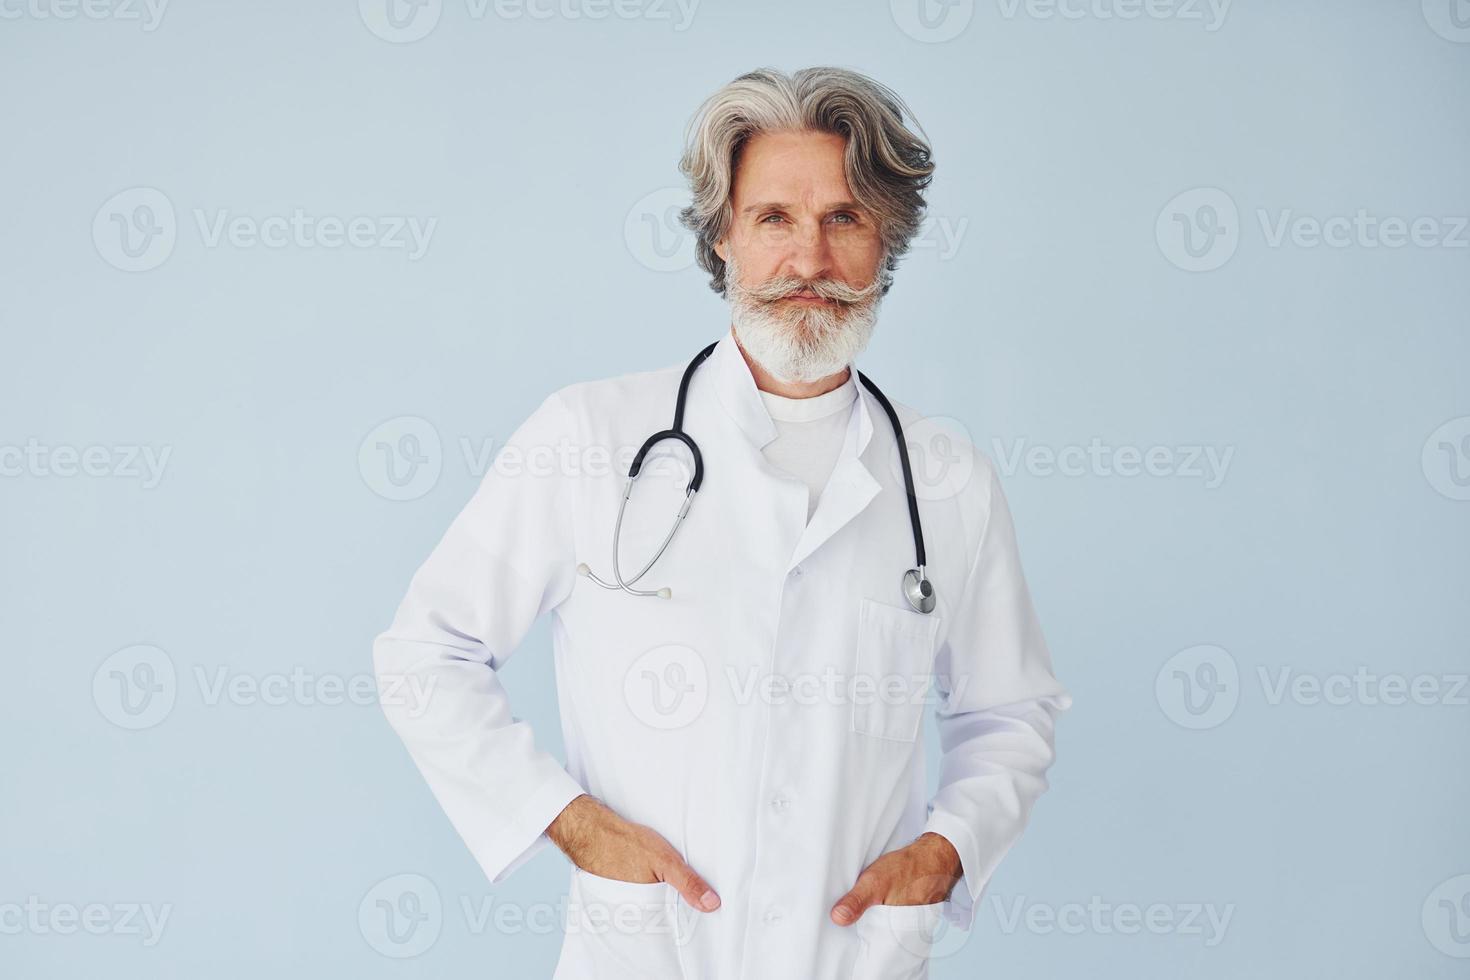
(775, 289)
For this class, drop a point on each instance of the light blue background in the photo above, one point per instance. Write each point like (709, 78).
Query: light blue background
(1060, 317)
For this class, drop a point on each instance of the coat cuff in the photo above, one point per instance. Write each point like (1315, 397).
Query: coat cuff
(525, 835)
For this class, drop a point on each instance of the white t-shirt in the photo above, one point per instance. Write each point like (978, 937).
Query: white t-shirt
(809, 434)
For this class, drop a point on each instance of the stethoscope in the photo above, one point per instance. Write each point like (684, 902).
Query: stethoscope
(916, 585)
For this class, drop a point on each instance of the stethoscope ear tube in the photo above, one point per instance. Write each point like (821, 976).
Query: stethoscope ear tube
(626, 585)
(676, 431)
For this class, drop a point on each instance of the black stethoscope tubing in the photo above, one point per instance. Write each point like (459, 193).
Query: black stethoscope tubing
(916, 586)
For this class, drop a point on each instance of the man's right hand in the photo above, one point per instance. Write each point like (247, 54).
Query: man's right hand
(600, 842)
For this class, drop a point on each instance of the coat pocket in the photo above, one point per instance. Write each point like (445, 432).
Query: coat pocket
(893, 666)
(896, 941)
(621, 930)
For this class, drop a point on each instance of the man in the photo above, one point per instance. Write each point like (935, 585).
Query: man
(744, 795)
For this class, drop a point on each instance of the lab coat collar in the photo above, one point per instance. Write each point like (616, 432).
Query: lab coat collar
(738, 392)
(852, 484)
(742, 401)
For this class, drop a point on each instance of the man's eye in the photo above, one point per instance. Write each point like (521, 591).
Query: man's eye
(851, 219)
(767, 218)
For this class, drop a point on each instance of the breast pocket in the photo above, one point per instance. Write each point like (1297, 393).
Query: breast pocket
(892, 668)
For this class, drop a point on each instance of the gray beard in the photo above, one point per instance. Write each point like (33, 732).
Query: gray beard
(799, 343)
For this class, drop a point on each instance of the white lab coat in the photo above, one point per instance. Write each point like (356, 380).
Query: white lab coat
(766, 719)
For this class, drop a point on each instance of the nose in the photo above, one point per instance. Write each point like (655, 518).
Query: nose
(810, 253)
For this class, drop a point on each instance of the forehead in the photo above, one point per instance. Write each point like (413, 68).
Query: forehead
(797, 167)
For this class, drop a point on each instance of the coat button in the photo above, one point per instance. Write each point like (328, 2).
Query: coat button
(780, 803)
(774, 913)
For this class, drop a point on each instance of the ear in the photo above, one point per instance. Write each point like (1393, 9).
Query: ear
(722, 249)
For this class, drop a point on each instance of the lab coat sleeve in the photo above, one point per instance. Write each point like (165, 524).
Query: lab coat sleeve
(505, 560)
(997, 708)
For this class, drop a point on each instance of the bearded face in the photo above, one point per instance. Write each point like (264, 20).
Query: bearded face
(801, 330)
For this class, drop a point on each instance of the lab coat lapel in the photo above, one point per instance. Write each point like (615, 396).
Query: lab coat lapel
(852, 484)
(850, 488)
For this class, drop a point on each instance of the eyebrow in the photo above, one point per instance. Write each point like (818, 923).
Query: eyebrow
(783, 206)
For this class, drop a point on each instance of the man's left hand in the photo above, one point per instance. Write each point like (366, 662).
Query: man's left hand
(922, 873)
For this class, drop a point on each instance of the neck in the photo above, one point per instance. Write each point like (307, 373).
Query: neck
(788, 389)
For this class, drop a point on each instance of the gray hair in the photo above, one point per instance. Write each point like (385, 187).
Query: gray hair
(887, 165)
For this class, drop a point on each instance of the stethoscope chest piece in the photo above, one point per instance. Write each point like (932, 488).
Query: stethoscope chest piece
(918, 590)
